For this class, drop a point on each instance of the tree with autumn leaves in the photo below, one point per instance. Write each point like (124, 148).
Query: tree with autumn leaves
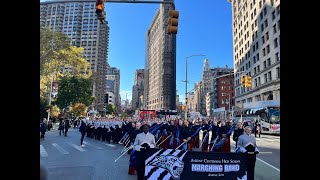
(63, 63)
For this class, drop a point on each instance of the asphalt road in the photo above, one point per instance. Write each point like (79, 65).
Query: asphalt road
(66, 160)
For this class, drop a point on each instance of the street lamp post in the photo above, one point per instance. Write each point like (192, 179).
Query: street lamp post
(50, 94)
(186, 110)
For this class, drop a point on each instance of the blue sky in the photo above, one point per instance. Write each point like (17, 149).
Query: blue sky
(205, 27)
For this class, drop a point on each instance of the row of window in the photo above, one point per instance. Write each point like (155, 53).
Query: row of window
(257, 81)
(265, 51)
(85, 43)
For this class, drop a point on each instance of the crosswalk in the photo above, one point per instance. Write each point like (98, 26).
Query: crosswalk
(69, 147)
(267, 140)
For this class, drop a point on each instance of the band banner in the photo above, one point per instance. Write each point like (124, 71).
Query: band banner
(170, 164)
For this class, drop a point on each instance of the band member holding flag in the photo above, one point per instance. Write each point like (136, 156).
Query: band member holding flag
(178, 132)
(237, 133)
(171, 129)
(196, 141)
(214, 130)
(222, 132)
(205, 128)
(133, 135)
(185, 135)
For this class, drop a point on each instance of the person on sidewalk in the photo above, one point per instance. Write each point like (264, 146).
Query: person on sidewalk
(83, 130)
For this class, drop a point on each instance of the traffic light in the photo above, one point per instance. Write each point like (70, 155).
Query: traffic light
(173, 22)
(100, 10)
(248, 81)
(242, 80)
(186, 100)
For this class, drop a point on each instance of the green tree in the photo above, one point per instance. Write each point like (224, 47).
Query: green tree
(74, 89)
(43, 109)
(51, 41)
(56, 54)
(78, 109)
(110, 109)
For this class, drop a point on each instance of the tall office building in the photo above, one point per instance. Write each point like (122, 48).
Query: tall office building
(160, 63)
(137, 89)
(113, 84)
(256, 49)
(77, 19)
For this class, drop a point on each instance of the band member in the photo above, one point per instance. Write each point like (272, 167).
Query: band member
(196, 141)
(178, 132)
(222, 132)
(247, 144)
(237, 132)
(163, 135)
(214, 134)
(171, 142)
(117, 134)
(205, 128)
(185, 135)
(143, 141)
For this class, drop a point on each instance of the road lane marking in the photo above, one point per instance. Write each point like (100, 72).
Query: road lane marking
(43, 152)
(111, 145)
(269, 140)
(77, 147)
(265, 152)
(261, 159)
(59, 148)
(86, 143)
(268, 164)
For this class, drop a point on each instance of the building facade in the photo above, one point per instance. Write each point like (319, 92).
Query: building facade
(225, 92)
(113, 84)
(256, 49)
(209, 86)
(222, 91)
(137, 89)
(190, 104)
(160, 63)
(77, 19)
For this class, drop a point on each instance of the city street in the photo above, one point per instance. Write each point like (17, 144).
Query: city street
(66, 160)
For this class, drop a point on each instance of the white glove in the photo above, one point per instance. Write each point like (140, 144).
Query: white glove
(137, 147)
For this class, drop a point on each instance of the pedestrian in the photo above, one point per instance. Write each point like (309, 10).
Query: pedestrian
(66, 127)
(247, 144)
(61, 127)
(83, 130)
(43, 129)
(256, 129)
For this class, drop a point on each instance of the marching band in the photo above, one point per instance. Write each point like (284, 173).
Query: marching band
(168, 134)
